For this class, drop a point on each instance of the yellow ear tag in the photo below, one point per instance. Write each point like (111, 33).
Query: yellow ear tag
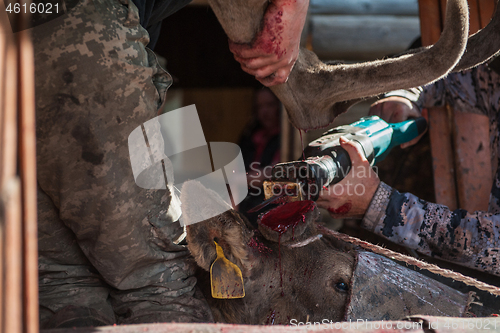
(225, 277)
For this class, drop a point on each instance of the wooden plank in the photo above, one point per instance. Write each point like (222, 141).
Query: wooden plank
(442, 157)
(474, 19)
(27, 160)
(442, 8)
(431, 17)
(3, 49)
(364, 7)
(362, 37)
(486, 10)
(9, 141)
(223, 112)
(6, 42)
(286, 134)
(472, 160)
(291, 139)
(439, 325)
(430, 21)
(472, 151)
(11, 199)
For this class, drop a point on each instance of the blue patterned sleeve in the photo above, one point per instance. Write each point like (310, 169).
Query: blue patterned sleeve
(468, 239)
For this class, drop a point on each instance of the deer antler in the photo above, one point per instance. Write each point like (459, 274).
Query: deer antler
(314, 89)
(481, 47)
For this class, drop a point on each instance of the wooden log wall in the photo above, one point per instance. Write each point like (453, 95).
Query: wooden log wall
(366, 37)
(460, 148)
(18, 229)
(362, 29)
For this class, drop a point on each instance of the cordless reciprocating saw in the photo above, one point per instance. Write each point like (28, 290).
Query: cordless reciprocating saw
(326, 162)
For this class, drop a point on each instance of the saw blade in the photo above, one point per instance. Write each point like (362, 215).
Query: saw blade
(265, 203)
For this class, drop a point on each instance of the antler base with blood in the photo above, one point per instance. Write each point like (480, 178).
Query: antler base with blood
(316, 93)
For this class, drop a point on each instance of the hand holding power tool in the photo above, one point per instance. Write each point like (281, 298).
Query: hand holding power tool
(327, 163)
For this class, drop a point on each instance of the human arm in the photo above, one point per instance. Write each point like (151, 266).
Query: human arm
(273, 52)
(468, 239)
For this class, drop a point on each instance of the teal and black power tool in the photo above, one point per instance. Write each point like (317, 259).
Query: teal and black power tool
(327, 163)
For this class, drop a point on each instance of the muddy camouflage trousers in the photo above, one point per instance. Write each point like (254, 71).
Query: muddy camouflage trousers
(107, 251)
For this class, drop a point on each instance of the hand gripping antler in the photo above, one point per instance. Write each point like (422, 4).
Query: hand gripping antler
(316, 92)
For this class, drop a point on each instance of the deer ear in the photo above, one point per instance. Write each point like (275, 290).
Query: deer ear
(229, 228)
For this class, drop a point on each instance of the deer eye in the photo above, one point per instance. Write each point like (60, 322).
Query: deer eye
(342, 286)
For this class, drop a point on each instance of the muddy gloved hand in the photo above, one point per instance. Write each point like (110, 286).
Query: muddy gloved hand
(273, 52)
(351, 196)
(395, 109)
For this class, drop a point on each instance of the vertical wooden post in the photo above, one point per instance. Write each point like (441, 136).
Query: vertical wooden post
(462, 169)
(27, 161)
(3, 51)
(474, 18)
(286, 132)
(471, 139)
(430, 21)
(431, 17)
(10, 197)
(18, 220)
(486, 9)
(442, 157)
(291, 144)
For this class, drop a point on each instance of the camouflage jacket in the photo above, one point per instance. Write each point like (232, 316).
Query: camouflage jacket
(470, 239)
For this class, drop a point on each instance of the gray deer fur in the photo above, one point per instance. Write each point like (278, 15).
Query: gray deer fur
(316, 93)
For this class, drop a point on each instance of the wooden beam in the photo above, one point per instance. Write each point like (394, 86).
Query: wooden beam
(216, 109)
(286, 134)
(442, 157)
(10, 197)
(27, 160)
(474, 19)
(291, 140)
(442, 8)
(430, 21)
(486, 10)
(466, 323)
(364, 7)
(362, 37)
(431, 18)
(471, 139)
(472, 152)
(9, 140)
(3, 53)
(12, 270)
